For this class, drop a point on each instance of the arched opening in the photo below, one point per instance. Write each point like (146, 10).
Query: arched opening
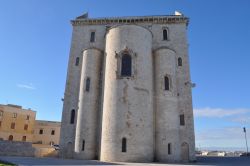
(179, 62)
(10, 138)
(24, 138)
(166, 83)
(72, 117)
(69, 150)
(77, 61)
(124, 145)
(126, 65)
(184, 151)
(165, 34)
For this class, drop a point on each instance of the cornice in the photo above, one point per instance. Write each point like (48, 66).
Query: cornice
(171, 19)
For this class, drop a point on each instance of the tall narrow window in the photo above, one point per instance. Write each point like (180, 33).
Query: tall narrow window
(72, 117)
(0, 124)
(10, 138)
(26, 127)
(53, 132)
(87, 84)
(1, 113)
(83, 145)
(165, 34)
(92, 37)
(77, 61)
(124, 145)
(182, 120)
(24, 138)
(166, 83)
(27, 117)
(169, 148)
(14, 115)
(179, 62)
(126, 65)
(12, 125)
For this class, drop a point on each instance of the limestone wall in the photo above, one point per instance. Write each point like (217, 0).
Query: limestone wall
(128, 105)
(86, 129)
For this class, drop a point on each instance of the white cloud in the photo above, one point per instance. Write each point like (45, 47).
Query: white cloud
(219, 112)
(26, 86)
(221, 137)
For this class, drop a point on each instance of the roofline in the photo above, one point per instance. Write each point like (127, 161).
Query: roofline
(157, 19)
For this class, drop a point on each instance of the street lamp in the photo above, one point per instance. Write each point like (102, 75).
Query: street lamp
(245, 131)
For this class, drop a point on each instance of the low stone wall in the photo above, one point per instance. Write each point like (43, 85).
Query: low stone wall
(16, 148)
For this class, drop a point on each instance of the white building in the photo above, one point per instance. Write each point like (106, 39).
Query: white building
(128, 90)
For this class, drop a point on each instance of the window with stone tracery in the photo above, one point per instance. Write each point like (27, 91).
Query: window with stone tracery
(126, 65)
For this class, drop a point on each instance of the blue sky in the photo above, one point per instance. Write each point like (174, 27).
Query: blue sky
(35, 41)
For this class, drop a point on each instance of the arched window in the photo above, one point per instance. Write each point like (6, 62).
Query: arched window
(169, 148)
(179, 62)
(166, 83)
(83, 145)
(72, 117)
(10, 138)
(77, 61)
(165, 34)
(126, 65)
(87, 84)
(92, 37)
(124, 145)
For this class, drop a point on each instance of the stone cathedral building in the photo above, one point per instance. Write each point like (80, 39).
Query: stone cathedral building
(128, 91)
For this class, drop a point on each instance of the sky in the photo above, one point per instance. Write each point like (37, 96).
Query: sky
(35, 38)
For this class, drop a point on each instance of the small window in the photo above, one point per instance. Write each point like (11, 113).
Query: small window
(166, 83)
(83, 145)
(126, 65)
(26, 127)
(10, 138)
(24, 138)
(1, 113)
(0, 123)
(124, 145)
(179, 62)
(77, 61)
(92, 37)
(12, 125)
(182, 120)
(27, 117)
(14, 115)
(87, 84)
(41, 131)
(72, 117)
(165, 34)
(53, 132)
(169, 148)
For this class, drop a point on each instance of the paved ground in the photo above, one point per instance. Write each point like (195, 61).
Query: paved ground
(215, 161)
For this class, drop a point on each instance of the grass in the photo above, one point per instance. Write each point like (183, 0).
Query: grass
(4, 163)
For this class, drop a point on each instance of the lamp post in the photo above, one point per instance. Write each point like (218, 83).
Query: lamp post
(245, 131)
